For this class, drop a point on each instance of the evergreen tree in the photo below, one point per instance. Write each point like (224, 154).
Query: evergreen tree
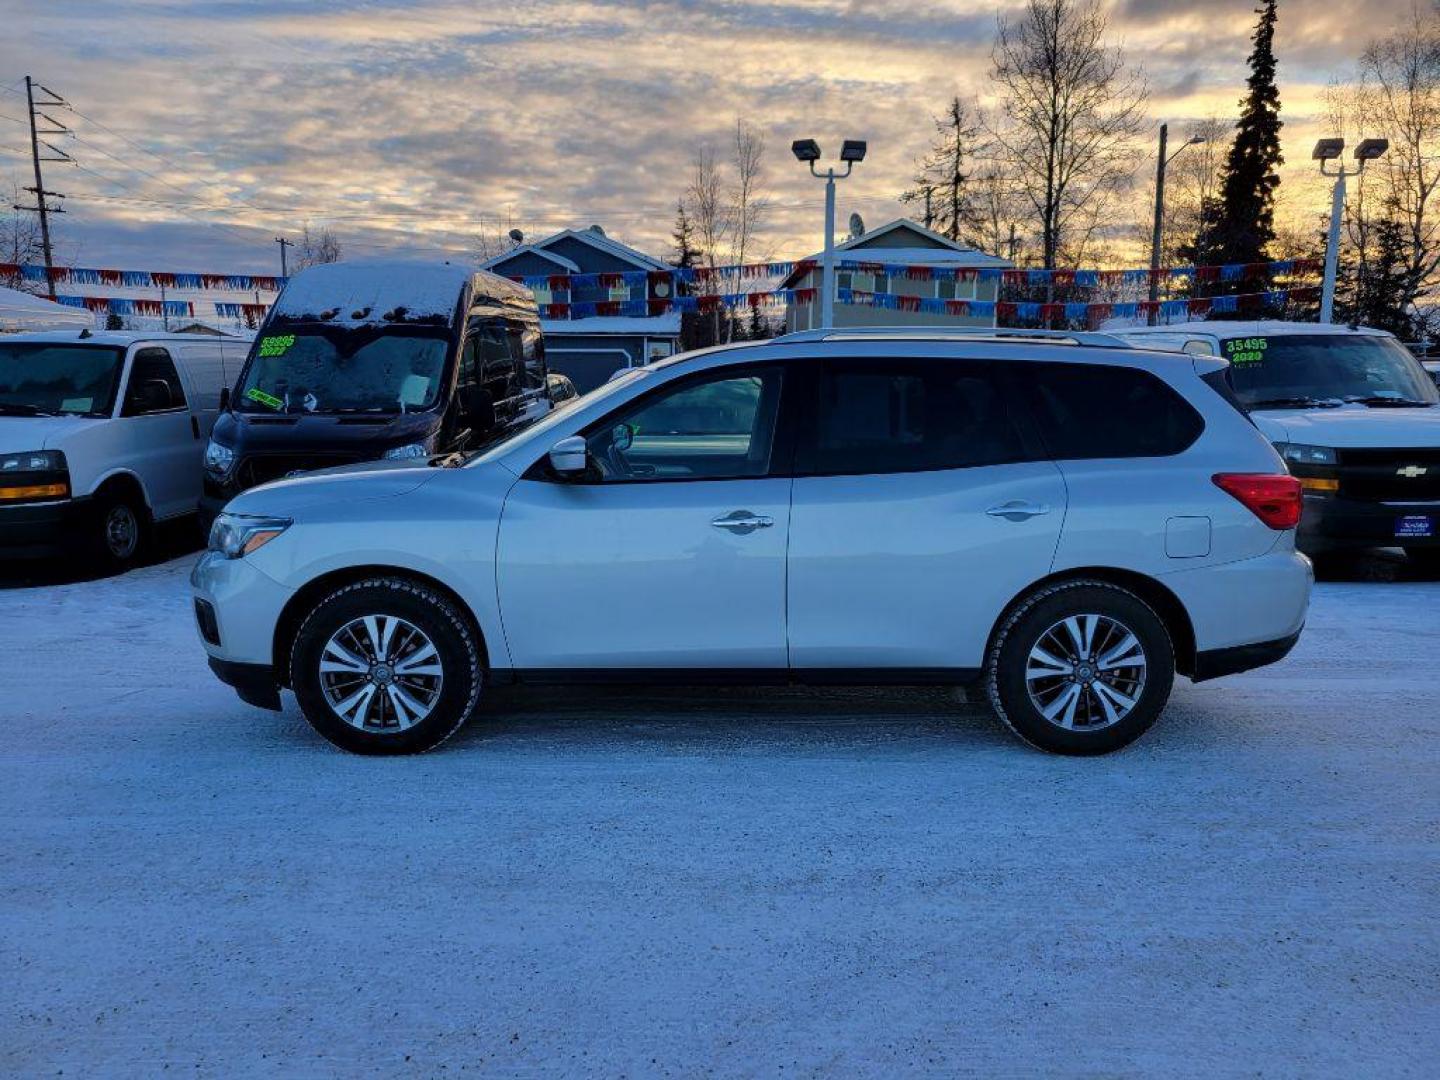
(1239, 226)
(1371, 293)
(683, 236)
(759, 328)
(940, 179)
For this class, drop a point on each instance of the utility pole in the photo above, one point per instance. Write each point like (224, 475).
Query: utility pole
(284, 271)
(1161, 164)
(40, 207)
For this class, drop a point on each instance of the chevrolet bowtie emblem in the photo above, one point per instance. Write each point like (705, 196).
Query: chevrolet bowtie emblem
(1412, 471)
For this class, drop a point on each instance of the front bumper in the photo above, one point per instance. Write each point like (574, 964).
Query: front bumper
(1333, 522)
(38, 530)
(245, 605)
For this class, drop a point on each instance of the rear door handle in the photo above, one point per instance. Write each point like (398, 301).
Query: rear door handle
(742, 522)
(1018, 510)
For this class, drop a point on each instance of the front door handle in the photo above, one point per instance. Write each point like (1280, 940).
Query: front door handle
(742, 522)
(1018, 510)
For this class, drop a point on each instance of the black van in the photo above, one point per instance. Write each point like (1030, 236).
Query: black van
(369, 361)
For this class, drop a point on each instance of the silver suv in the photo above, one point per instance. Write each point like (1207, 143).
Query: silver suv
(1065, 520)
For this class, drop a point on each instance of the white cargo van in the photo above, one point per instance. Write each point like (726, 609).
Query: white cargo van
(102, 434)
(1353, 413)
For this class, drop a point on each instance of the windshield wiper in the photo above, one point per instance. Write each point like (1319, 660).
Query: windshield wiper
(1381, 401)
(15, 408)
(1294, 403)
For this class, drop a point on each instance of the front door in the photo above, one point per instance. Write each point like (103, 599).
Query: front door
(919, 512)
(671, 553)
(159, 434)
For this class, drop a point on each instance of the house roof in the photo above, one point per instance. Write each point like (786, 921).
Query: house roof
(941, 251)
(601, 242)
(532, 249)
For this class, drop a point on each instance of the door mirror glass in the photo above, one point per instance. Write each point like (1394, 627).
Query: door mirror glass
(568, 457)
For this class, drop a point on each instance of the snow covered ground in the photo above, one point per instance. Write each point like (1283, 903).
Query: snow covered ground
(738, 883)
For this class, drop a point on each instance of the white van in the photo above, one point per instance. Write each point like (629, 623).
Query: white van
(102, 434)
(1353, 413)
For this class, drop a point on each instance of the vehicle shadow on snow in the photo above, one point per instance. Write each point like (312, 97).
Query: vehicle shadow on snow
(1374, 565)
(170, 540)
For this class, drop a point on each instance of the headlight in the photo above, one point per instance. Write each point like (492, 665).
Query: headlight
(409, 450)
(218, 459)
(236, 535)
(1302, 454)
(33, 476)
(33, 461)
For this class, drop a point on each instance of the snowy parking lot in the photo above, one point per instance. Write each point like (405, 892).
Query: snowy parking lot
(739, 883)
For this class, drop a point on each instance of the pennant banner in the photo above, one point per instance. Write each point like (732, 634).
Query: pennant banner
(144, 279)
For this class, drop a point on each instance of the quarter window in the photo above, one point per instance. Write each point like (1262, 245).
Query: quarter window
(1095, 411)
(898, 416)
(717, 428)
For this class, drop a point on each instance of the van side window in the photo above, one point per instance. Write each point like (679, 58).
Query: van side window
(1097, 411)
(494, 359)
(154, 384)
(532, 356)
(893, 416)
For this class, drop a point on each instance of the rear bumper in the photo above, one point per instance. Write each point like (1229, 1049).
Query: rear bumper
(1213, 663)
(1332, 522)
(254, 683)
(37, 530)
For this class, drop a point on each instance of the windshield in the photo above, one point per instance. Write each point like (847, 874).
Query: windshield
(336, 369)
(44, 379)
(1295, 370)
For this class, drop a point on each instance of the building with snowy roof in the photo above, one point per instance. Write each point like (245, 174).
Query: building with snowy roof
(591, 348)
(900, 243)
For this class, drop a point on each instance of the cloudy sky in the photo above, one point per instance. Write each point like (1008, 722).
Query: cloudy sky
(204, 129)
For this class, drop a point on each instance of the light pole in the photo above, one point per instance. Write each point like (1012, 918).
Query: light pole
(1330, 150)
(808, 151)
(1161, 164)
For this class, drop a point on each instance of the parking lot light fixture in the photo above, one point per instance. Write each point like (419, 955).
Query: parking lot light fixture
(807, 151)
(1330, 150)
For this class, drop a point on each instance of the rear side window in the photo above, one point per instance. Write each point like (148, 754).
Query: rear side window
(1094, 411)
(891, 416)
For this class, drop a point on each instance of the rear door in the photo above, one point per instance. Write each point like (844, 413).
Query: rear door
(920, 509)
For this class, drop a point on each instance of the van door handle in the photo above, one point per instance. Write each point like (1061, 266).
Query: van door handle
(1018, 510)
(743, 522)
(195, 425)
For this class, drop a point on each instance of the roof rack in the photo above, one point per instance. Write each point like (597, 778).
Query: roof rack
(930, 333)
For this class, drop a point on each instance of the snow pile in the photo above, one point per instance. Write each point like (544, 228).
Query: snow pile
(21, 311)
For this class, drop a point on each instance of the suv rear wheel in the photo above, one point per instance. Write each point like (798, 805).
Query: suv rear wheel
(1081, 667)
(386, 666)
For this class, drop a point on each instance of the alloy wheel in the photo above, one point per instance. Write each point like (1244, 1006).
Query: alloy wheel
(380, 673)
(1086, 672)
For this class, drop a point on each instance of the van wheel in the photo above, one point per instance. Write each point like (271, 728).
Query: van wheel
(386, 666)
(121, 530)
(1082, 667)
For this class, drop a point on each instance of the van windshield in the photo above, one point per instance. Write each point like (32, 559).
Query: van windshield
(45, 379)
(339, 369)
(1299, 370)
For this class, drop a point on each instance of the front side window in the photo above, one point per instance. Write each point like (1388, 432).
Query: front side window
(154, 384)
(1301, 369)
(1097, 411)
(720, 427)
(894, 416)
(40, 379)
(310, 368)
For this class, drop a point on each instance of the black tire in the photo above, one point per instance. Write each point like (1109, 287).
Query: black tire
(436, 617)
(121, 530)
(1025, 627)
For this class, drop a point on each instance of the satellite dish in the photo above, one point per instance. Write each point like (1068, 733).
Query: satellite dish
(857, 227)
(517, 236)
(597, 230)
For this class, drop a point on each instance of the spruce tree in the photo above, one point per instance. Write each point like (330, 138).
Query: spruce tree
(683, 237)
(1239, 226)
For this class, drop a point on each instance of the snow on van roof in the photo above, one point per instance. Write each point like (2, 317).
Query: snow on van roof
(368, 292)
(1246, 328)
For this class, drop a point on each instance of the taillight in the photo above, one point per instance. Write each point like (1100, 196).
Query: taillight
(1274, 499)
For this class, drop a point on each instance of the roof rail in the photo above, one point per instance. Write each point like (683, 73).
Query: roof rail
(931, 333)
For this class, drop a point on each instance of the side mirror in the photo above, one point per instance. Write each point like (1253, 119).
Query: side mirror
(150, 396)
(224, 399)
(622, 436)
(479, 407)
(569, 457)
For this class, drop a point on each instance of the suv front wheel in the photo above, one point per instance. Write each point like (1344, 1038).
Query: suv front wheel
(1081, 667)
(386, 666)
